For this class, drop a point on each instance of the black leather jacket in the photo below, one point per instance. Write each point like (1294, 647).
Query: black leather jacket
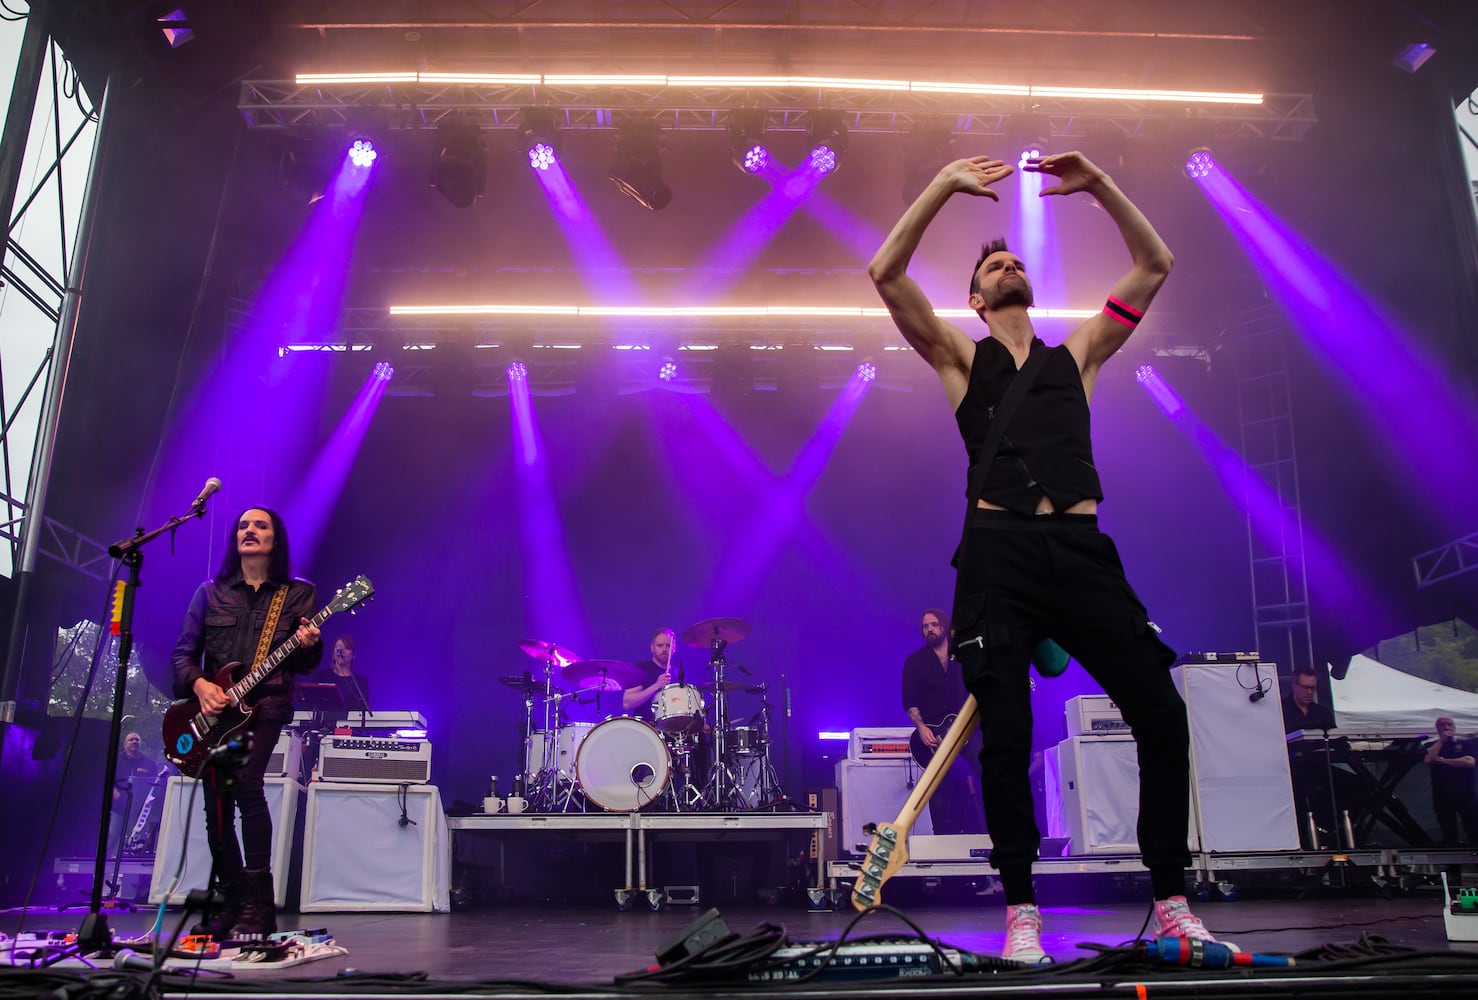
(222, 625)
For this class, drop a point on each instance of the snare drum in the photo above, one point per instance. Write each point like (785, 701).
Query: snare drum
(745, 741)
(561, 750)
(678, 708)
(623, 765)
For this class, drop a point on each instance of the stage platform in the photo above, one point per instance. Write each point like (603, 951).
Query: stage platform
(638, 830)
(530, 951)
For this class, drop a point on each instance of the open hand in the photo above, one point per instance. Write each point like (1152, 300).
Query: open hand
(1074, 171)
(975, 174)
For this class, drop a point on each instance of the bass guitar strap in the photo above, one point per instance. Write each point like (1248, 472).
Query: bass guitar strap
(269, 628)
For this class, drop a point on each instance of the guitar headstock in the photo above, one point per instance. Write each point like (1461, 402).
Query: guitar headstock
(352, 594)
(887, 853)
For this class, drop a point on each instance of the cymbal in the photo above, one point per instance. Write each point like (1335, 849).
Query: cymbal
(731, 686)
(523, 684)
(606, 675)
(705, 632)
(559, 655)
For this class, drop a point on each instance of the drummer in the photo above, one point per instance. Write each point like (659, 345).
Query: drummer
(656, 672)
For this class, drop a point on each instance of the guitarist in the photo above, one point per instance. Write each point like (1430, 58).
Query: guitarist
(224, 624)
(1032, 563)
(933, 691)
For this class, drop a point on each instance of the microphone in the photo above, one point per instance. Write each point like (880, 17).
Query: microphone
(1205, 954)
(212, 485)
(130, 960)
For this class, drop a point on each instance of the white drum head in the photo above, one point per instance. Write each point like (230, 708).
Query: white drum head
(622, 765)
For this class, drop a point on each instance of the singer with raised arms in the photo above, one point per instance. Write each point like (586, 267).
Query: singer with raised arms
(251, 606)
(1032, 563)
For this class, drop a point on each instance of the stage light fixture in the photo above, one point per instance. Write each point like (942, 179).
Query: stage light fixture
(747, 140)
(867, 371)
(384, 371)
(517, 371)
(1199, 162)
(176, 27)
(637, 169)
(362, 153)
(459, 171)
(929, 148)
(668, 371)
(538, 136)
(827, 136)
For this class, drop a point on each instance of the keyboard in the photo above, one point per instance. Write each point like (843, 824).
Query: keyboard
(368, 720)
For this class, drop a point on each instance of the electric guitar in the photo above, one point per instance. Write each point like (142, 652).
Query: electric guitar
(138, 838)
(190, 735)
(922, 752)
(888, 851)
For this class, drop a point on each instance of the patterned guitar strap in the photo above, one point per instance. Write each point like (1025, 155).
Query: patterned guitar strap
(269, 628)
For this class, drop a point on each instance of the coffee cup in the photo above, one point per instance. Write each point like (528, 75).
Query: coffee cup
(492, 805)
(517, 804)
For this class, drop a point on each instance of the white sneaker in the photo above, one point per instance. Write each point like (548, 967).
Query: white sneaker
(1024, 935)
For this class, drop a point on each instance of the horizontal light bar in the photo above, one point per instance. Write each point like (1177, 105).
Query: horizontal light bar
(702, 312)
(827, 735)
(806, 82)
(335, 348)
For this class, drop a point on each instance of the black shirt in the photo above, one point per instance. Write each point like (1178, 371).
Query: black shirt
(1048, 447)
(1319, 716)
(353, 688)
(1454, 781)
(936, 691)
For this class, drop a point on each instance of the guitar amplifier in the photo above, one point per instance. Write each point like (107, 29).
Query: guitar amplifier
(1094, 715)
(373, 760)
(879, 743)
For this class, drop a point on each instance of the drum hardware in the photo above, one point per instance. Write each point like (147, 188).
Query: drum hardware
(721, 792)
(544, 789)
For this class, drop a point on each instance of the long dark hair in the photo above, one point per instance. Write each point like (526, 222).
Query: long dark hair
(279, 564)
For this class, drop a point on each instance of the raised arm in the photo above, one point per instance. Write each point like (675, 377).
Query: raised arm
(1098, 338)
(947, 349)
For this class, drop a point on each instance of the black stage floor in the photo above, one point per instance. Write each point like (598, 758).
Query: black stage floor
(527, 950)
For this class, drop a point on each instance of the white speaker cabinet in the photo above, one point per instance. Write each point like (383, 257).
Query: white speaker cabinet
(873, 792)
(184, 809)
(359, 855)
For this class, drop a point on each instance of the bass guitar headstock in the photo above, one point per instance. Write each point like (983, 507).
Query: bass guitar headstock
(887, 853)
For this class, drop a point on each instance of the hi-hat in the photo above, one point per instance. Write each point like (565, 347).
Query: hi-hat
(559, 655)
(705, 633)
(605, 675)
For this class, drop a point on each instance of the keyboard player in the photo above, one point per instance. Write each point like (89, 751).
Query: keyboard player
(1310, 772)
(1300, 710)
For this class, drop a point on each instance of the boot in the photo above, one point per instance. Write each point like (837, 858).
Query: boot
(218, 922)
(258, 910)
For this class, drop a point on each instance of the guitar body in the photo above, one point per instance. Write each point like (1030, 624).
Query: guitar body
(190, 735)
(922, 752)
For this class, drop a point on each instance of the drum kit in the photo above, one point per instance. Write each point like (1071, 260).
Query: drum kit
(682, 758)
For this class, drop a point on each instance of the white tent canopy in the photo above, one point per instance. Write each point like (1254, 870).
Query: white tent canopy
(1373, 697)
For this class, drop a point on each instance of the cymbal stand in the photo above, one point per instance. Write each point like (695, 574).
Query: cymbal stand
(544, 791)
(724, 787)
(561, 788)
(767, 789)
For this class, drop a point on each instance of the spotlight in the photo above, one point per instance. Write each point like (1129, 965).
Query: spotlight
(827, 135)
(459, 170)
(747, 140)
(637, 170)
(384, 371)
(929, 148)
(517, 372)
(538, 136)
(362, 153)
(867, 371)
(1199, 162)
(1029, 153)
(668, 372)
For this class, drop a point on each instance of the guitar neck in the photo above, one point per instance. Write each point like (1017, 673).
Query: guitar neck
(949, 748)
(265, 669)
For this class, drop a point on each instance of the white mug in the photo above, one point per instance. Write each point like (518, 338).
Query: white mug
(517, 804)
(491, 805)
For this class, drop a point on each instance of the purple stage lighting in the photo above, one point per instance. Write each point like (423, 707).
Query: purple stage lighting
(756, 158)
(668, 371)
(384, 371)
(1031, 153)
(362, 153)
(1199, 163)
(1159, 389)
(867, 371)
(541, 156)
(518, 372)
(823, 159)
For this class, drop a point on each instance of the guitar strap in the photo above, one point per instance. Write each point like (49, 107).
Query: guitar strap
(269, 628)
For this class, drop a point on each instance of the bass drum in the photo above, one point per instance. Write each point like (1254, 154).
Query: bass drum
(623, 765)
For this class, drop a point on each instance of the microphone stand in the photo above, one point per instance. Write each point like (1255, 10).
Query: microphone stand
(94, 934)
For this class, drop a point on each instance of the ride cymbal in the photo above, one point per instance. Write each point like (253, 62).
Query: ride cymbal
(705, 633)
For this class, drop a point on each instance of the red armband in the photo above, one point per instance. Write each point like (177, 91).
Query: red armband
(1123, 312)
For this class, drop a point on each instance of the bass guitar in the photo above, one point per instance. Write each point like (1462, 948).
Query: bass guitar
(888, 851)
(190, 735)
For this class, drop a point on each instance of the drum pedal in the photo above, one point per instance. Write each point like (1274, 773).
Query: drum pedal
(681, 895)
